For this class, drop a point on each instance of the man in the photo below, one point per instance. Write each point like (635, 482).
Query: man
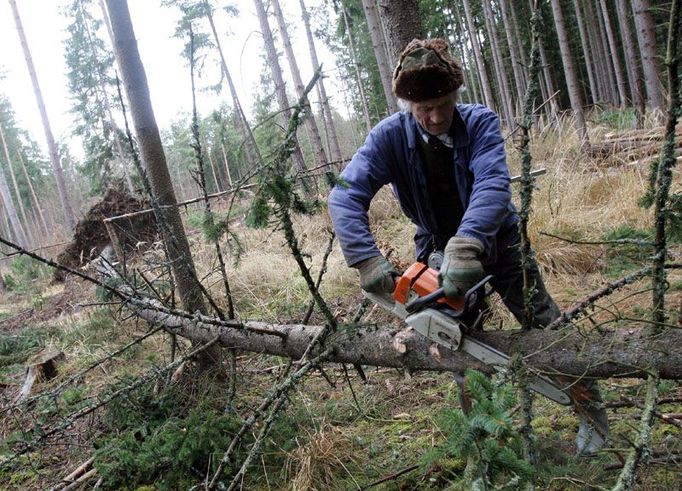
(446, 163)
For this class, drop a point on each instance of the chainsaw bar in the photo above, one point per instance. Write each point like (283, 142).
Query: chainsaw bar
(447, 332)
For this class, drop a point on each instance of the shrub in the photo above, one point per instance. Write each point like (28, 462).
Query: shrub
(154, 440)
(485, 438)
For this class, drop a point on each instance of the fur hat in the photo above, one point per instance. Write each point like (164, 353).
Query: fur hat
(426, 70)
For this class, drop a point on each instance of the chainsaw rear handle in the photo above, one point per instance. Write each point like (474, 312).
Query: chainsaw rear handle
(470, 298)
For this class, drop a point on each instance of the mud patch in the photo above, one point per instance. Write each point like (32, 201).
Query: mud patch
(91, 235)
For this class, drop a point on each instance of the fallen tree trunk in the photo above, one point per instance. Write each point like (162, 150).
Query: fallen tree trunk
(624, 352)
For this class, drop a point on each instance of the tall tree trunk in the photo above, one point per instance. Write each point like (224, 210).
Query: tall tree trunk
(356, 66)
(553, 106)
(403, 24)
(227, 166)
(385, 70)
(513, 44)
(335, 148)
(478, 56)
(311, 124)
(587, 52)
(631, 56)
(101, 82)
(153, 157)
(500, 70)
(646, 34)
(607, 59)
(251, 151)
(571, 75)
(613, 48)
(472, 81)
(211, 163)
(69, 218)
(603, 94)
(20, 203)
(276, 70)
(36, 202)
(7, 200)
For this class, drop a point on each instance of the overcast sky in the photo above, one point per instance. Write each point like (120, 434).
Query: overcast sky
(167, 73)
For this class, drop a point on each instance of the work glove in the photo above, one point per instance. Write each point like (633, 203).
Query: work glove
(377, 275)
(461, 267)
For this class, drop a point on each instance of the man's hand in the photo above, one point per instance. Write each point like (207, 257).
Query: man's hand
(461, 267)
(377, 275)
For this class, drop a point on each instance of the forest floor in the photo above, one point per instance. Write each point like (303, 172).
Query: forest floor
(337, 431)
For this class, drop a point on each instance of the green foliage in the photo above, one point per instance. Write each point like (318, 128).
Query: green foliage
(618, 119)
(485, 438)
(259, 213)
(23, 272)
(92, 86)
(153, 440)
(674, 230)
(332, 179)
(16, 348)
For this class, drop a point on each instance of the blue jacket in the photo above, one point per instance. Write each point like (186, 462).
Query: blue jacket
(390, 155)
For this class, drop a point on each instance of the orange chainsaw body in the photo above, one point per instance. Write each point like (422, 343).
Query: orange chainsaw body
(422, 280)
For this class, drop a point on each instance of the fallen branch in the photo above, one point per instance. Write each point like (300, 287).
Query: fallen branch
(641, 449)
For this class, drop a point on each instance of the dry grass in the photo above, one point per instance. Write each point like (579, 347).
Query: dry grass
(575, 200)
(320, 458)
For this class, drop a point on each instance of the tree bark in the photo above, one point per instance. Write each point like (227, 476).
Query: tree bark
(46, 229)
(403, 24)
(69, 218)
(335, 148)
(385, 71)
(613, 48)
(631, 55)
(276, 70)
(646, 34)
(7, 200)
(101, 80)
(606, 59)
(500, 69)
(309, 117)
(624, 352)
(571, 74)
(587, 52)
(153, 157)
(472, 80)
(356, 66)
(28, 235)
(478, 56)
(514, 44)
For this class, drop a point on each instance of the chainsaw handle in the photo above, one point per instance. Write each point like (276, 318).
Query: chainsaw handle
(469, 298)
(421, 302)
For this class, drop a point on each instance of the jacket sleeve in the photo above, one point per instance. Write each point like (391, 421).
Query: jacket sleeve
(367, 172)
(490, 198)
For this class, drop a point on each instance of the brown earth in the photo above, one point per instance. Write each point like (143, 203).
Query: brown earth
(91, 235)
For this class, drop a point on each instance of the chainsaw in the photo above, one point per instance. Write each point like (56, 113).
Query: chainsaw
(418, 300)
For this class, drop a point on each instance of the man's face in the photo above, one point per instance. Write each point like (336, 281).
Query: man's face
(435, 115)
